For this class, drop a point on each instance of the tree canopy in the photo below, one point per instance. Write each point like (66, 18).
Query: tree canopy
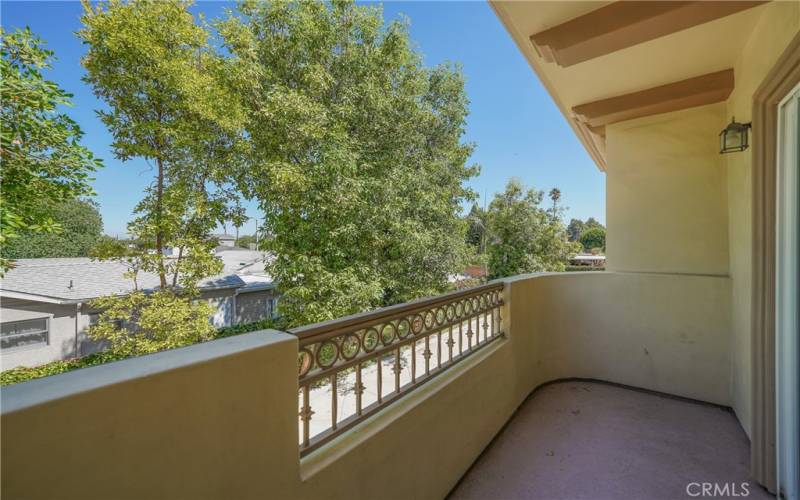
(43, 162)
(594, 238)
(523, 236)
(81, 228)
(170, 105)
(357, 155)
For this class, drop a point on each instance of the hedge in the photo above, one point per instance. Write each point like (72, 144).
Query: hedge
(24, 373)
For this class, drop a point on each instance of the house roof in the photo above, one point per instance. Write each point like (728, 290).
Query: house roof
(80, 279)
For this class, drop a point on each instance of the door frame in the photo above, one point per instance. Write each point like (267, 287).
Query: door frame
(781, 79)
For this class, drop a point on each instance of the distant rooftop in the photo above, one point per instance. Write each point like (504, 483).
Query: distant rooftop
(79, 279)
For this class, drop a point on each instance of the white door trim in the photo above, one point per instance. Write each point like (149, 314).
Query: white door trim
(787, 297)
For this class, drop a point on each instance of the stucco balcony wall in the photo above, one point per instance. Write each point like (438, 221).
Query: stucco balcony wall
(219, 420)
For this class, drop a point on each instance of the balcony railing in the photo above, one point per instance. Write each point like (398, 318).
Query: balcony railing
(352, 367)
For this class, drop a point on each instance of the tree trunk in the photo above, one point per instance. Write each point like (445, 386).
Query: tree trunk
(159, 229)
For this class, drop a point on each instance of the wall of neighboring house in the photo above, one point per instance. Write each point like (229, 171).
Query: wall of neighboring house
(62, 343)
(252, 306)
(778, 24)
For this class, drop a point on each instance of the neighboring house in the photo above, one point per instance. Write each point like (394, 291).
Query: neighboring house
(45, 310)
(588, 259)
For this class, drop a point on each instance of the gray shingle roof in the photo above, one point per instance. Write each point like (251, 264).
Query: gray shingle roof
(89, 279)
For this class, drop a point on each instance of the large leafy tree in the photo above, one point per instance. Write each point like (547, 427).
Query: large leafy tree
(43, 162)
(169, 105)
(357, 159)
(523, 236)
(575, 229)
(594, 239)
(81, 228)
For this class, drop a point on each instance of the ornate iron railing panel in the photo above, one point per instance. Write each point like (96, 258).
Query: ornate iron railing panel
(350, 368)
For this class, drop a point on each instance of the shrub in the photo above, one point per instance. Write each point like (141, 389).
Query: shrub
(25, 373)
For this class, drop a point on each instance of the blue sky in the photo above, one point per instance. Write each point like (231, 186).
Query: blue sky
(518, 130)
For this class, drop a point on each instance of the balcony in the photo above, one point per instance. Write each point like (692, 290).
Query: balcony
(581, 439)
(231, 418)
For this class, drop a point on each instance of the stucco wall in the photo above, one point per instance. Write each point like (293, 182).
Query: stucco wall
(778, 24)
(666, 194)
(219, 420)
(61, 342)
(253, 306)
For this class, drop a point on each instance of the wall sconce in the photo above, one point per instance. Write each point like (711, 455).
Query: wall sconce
(734, 137)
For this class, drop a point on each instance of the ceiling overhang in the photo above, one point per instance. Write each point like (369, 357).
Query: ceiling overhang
(673, 55)
(625, 24)
(697, 91)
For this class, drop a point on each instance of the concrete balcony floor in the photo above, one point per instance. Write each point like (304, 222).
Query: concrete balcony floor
(589, 440)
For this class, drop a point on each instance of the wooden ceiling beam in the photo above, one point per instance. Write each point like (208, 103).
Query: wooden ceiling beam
(624, 24)
(698, 91)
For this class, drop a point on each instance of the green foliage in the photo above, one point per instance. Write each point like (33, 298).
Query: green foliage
(43, 163)
(140, 323)
(24, 373)
(576, 227)
(169, 102)
(594, 238)
(246, 240)
(523, 237)
(81, 226)
(357, 158)
(476, 229)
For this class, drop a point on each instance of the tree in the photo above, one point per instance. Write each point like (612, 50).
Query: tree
(476, 230)
(575, 229)
(357, 159)
(594, 238)
(246, 240)
(555, 196)
(523, 237)
(591, 222)
(44, 164)
(238, 218)
(81, 228)
(169, 103)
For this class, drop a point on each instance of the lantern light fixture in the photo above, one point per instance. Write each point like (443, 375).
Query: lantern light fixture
(733, 138)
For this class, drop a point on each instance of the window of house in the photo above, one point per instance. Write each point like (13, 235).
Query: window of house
(273, 308)
(94, 318)
(31, 332)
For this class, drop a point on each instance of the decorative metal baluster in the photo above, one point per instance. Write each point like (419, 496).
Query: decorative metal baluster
(460, 336)
(334, 402)
(380, 379)
(469, 333)
(359, 389)
(450, 343)
(413, 361)
(439, 349)
(485, 326)
(397, 370)
(305, 416)
(427, 353)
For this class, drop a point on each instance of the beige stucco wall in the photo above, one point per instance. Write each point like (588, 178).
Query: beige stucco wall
(778, 24)
(666, 194)
(219, 420)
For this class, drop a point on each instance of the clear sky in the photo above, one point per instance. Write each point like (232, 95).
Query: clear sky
(517, 128)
